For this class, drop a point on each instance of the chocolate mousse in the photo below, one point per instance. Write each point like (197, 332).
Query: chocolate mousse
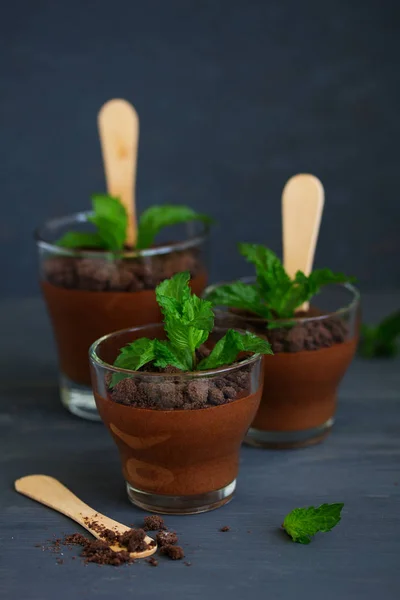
(89, 297)
(312, 347)
(301, 379)
(178, 400)
(175, 438)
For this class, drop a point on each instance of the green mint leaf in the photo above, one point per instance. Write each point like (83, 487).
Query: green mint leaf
(280, 294)
(381, 340)
(240, 295)
(172, 293)
(227, 349)
(78, 239)
(132, 357)
(302, 523)
(166, 356)
(188, 319)
(157, 217)
(111, 219)
(269, 269)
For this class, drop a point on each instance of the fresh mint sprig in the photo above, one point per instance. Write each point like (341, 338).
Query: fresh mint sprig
(156, 218)
(188, 322)
(110, 220)
(303, 523)
(274, 295)
(381, 340)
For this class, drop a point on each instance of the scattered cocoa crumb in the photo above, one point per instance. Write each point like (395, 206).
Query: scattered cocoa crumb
(152, 561)
(225, 528)
(154, 523)
(166, 538)
(59, 561)
(187, 563)
(173, 552)
(133, 540)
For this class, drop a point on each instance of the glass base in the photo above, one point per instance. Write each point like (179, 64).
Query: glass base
(288, 439)
(181, 505)
(78, 399)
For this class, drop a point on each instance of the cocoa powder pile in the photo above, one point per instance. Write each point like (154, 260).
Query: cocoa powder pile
(124, 275)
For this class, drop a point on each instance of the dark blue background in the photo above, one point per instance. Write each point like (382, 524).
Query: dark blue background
(233, 96)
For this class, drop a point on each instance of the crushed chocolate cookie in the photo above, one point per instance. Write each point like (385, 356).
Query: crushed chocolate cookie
(126, 275)
(303, 335)
(166, 538)
(134, 540)
(173, 552)
(225, 528)
(175, 394)
(154, 523)
(152, 561)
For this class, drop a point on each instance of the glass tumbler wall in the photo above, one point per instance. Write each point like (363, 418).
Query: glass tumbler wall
(178, 433)
(90, 293)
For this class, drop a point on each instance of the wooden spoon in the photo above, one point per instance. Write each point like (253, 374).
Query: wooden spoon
(302, 206)
(52, 493)
(118, 125)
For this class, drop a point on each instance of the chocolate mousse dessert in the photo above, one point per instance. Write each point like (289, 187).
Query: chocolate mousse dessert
(312, 345)
(94, 283)
(178, 402)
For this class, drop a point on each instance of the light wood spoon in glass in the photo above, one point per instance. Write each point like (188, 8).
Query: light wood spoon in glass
(302, 206)
(52, 493)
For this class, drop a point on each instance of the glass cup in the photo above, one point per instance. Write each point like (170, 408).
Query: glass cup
(178, 434)
(89, 293)
(301, 379)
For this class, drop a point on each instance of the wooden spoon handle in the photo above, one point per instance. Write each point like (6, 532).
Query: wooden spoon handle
(52, 493)
(118, 125)
(302, 206)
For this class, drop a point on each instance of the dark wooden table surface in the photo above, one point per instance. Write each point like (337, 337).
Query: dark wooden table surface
(359, 464)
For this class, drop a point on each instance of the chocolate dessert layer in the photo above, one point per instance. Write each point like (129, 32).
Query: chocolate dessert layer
(300, 387)
(88, 298)
(302, 376)
(173, 394)
(179, 452)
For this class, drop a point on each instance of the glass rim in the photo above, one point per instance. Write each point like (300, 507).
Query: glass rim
(95, 358)
(352, 305)
(82, 217)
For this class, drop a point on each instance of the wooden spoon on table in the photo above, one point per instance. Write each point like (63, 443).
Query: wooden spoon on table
(118, 125)
(302, 206)
(52, 493)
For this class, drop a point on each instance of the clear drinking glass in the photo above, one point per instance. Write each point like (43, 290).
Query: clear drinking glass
(301, 379)
(89, 293)
(178, 434)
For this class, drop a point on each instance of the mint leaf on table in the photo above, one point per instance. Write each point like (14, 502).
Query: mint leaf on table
(110, 219)
(381, 340)
(156, 218)
(302, 523)
(226, 350)
(78, 239)
(132, 357)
